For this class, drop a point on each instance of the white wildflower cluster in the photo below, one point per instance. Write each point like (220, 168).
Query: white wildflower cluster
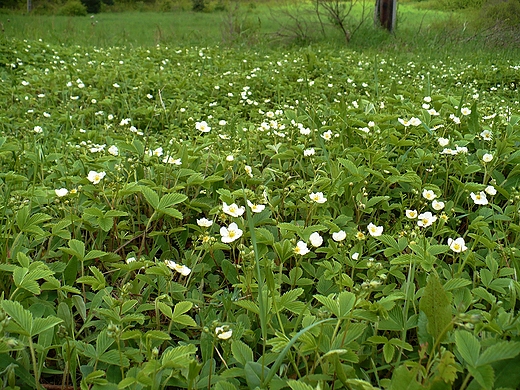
(113, 150)
(453, 152)
(180, 268)
(272, 125)
(95, 177)
(202, 126)
(455, 119)
(223, 332)
(457, 245)
(413, 121)
(245, 95)
(158, 152)
(318, 197)
(328, 135)
(427, 218)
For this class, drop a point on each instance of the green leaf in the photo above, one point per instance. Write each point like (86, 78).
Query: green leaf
(391, 243)
(128, 381)
(157, 335)
(351, 167)
(484, 375)
(377, 340)
(224, 386)
(22, 374)
(103, 342)
(95, 378)
(178, 357)
(21, 280)
(456, 283)
(18, 314)
(131, 334)
(468, 347)
(248, 305)
(436, 305)
(151, 197)
(355, 330)
(438, 249)
(499, 351)
(255, 374)
(284, 250)
(38, 218)
(388, 352)
(94, 254)
(23, 259)
(182, 307)
(42, 324)
(105, 223)
(80, 306)
(115, 213)
(507, 373)
(329, 303)
(76, 248)
(165, 309)
(346, 301)
(230, 271)
(241, 352)
(264, 236)
(375, 200)
(184, 319)
(90, 280)
(93, 212)
(171, 212)
(290, 296)
(169, 200)
(404, 379)
(115, 357)
(447, 367)
(299, 385)
(97, 281)
(40, 272)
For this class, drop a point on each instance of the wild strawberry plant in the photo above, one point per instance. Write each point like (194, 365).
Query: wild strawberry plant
(205, 218)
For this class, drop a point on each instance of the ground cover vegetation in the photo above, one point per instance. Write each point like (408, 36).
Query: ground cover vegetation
(178, 216)
(488, 22)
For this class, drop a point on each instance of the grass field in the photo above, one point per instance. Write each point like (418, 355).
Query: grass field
(418, 29)
(183, 211)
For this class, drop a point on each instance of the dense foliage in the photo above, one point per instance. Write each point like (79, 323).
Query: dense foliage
(204, 218)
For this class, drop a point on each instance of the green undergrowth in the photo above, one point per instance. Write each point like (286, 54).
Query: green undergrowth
(199, 217)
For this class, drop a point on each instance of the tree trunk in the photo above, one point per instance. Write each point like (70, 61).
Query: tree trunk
(385, 14)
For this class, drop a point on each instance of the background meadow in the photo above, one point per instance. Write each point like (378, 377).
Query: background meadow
(182, 210)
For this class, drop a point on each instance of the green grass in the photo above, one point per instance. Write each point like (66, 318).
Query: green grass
(429, 31)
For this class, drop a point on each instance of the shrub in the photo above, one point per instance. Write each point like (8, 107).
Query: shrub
(505, 12)
(198, 5)
(45, 8)
(165, 5)
(499, 21)
(459, 4)
(93, 6)
(73, 8)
